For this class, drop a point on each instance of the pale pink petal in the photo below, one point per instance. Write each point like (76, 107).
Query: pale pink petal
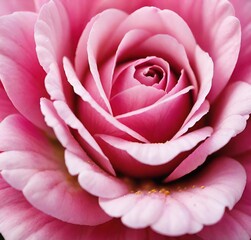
(159, 153)
(39, 3)
(66, 138)
(201, 112)
(85, 139)
(52, 34)
(214, 28)
(218, 32)
(188, 205)
(53, 42)
(229, 118)
(235, 101)
(234, 148)
(106, 121)
(6, 107)
(131, 40)
(10, 6)
(46, 181)
(243, 69)
(224, 53)
(204, 70)
(17, 48)
(53, 83)
(61, 130)
(17, 167)
(93, 179)
(16, 133)
(155, 45)
(145, 212)
(177, 57)
(156, 115)
(157, 21)
(98, 35)
(54, 194)
(175, 220)
(241, 213)
(227, 229)
(129, 100)
(26, 223)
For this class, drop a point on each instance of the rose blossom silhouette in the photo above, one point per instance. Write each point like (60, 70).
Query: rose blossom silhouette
(125, 120)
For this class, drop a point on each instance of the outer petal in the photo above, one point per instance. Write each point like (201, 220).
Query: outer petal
(213, 25)
(93, 179)
(199, 200)
(27, 223)
(16, 133)
(65, 136)
(52, 34)
(6, 107)
(7, 7)
(234, 148)
(242, 70)
(46, 182)
(218, 32)
(235, 224)
(227, 229)
(53, 41)
(24, 85)
(159, 153)
(229, 118)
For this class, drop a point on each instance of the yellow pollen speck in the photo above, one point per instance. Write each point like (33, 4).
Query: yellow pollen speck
(202, 187)
(138, 192)
(164, 191)
(152, 191)
(193, 186)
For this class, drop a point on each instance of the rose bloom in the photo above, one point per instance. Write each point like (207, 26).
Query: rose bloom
(125, 119)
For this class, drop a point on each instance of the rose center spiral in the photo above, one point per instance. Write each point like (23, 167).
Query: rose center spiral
(149, 75)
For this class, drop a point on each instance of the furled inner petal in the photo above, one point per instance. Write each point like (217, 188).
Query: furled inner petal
(90, 108)
(156, 122)
(187, 205)
(125, 155)
(135, 98)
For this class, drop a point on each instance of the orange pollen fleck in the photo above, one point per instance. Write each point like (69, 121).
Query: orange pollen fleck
(152, 191)
(138, 192)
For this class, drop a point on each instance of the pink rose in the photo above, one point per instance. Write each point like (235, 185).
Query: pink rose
(119, 119)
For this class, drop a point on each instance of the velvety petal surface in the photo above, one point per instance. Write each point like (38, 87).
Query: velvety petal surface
(64, 135)
(17, 48)
(183, 208)
(159, 153)
(235, 224)
(242, 70)
(8, 7)
(96, 114)
(230, 116)
(213, 25)
(6, 107)
(44, 182)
